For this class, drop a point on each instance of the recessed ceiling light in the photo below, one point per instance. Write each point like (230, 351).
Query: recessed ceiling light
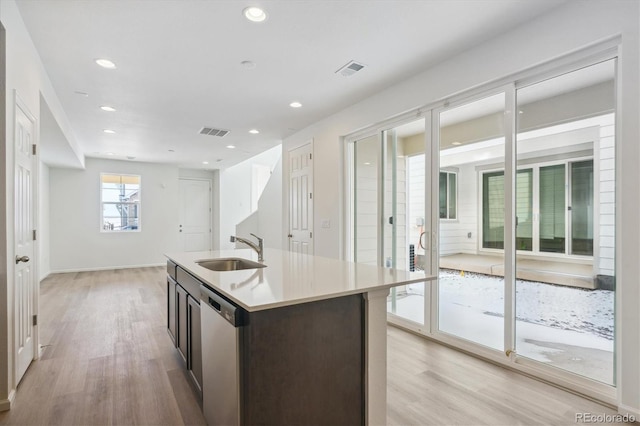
(81, 93)
(254, 14)
(456, 143)
(295, 104)
(205, 162)
(367, 164)
(110, 153)
(109, 131)
(130, 157)
(172, 150)
(249, 65)
(520, 112)
(105, 63)
(254, 131)
(231, 146)
(107, 108)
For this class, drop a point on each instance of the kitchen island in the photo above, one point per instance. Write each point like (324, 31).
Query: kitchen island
(311, 335)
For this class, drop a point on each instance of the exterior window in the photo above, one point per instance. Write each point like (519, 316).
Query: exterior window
(120, 202)
(448, 195)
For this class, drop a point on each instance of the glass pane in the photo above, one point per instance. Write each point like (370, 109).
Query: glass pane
(582, 208)
(452, 195)
(120, 217)
(493, 210)
(552, 208)
(564, 298)
(524, 213)
(470, 280)
(405, 204)
(443, 195)
(365, 200)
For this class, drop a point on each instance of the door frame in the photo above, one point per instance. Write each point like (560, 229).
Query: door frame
(19, 103)
(607, 50)
(210, 181)
(287, 178)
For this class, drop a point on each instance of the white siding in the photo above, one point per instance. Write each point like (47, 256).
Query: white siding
(604, 263)
(453, 233)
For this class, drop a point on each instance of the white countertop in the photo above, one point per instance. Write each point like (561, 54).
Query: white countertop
(291, 278)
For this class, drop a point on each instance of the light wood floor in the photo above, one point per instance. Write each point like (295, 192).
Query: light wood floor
(107, 359)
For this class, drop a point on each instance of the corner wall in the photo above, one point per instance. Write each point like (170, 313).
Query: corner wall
(77, 242)
(235, 195)
(26, 76)
(44, 235)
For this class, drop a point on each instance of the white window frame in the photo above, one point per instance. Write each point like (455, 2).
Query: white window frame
(138, 204)
(449, 219)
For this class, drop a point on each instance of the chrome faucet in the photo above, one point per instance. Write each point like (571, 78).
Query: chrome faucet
(257, 247)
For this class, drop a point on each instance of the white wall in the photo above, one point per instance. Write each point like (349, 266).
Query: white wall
(44, 234)
(26, 76)
(235, 194)
(77, 242)
(270, 209)
(453, 233)
(571, 27)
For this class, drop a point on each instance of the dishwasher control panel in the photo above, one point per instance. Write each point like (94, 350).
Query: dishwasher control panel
(227, 310)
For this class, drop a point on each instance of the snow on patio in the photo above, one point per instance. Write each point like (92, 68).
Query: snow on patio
(566, 327)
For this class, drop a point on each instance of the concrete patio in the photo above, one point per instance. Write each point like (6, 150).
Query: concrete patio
(541, 270)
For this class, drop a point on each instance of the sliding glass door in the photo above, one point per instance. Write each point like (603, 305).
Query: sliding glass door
(388, 209)
(471, 146)
(565, 287)
(508, 197)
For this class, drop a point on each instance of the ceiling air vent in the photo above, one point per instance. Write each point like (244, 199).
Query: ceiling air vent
(350, 69)
(210, 131)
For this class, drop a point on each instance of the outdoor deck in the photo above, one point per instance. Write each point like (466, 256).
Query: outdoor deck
(553, 272)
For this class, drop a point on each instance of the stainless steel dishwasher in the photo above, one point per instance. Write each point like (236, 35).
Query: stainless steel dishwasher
(221, 329)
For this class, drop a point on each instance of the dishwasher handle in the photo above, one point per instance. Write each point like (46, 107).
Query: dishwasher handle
(227, 310)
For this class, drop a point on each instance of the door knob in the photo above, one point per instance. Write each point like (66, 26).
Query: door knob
(290, 236)
(24, 259)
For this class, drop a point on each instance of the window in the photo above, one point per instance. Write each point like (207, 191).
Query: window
(120, 202)
(557, 184)
(448, 195)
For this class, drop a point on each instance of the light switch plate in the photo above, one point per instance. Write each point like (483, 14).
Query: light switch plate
(326, 223)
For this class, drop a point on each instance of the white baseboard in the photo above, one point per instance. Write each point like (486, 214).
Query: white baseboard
(5, 404)
(104, 268)
(624, 409)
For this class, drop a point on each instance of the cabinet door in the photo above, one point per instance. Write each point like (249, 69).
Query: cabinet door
(171, 308)
(181, 312)
(195, 342)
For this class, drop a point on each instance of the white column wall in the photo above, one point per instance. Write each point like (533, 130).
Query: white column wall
(43, 229)
(26, 76)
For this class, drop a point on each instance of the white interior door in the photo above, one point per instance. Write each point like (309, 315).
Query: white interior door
(195, 215)
(25, 271)
(301, 199)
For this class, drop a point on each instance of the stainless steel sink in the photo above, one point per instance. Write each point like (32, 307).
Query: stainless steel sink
(229, 264)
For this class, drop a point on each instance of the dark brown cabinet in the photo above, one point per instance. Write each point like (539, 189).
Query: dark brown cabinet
(181, 315)
(171, 308)
(183, 319)
(194, 363)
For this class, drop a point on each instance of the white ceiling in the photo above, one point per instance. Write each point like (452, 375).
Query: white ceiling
(179, 65)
